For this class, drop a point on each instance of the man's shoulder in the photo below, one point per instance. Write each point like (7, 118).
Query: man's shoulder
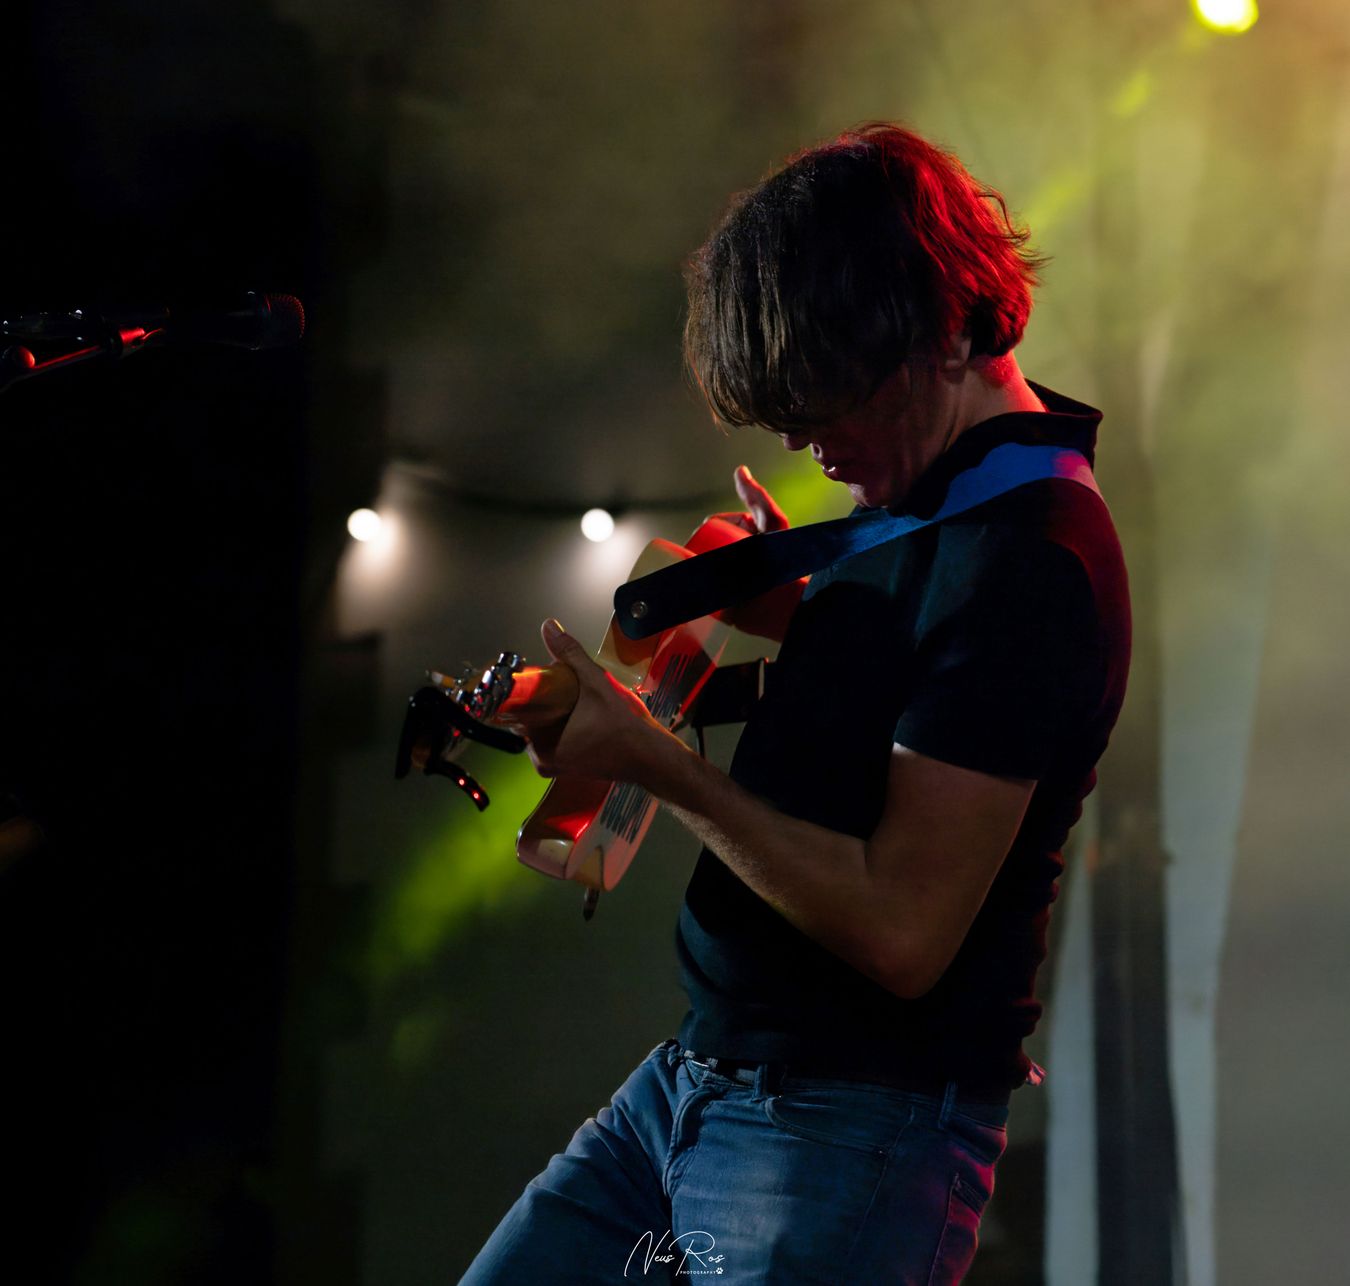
(1046, 551)
(1033, 526)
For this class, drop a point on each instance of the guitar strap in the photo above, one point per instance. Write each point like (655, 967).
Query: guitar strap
(747, 568)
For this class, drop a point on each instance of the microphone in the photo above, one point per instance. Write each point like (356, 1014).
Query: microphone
(257, 321)
(262, 321)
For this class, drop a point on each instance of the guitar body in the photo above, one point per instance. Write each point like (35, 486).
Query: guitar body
(584, 829)
(587, 830)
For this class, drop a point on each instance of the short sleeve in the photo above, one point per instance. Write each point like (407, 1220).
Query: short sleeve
(1005, 650)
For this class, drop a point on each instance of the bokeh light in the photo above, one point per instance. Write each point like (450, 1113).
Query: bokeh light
(1230, 16)
(364, 524)
(597, 525)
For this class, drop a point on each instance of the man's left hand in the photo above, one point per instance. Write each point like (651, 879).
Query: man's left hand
(609, 735)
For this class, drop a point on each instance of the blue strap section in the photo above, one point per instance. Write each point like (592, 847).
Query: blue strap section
(1005, 468)
(741, 571)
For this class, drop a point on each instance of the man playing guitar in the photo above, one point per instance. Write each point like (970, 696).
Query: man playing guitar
(860, 936)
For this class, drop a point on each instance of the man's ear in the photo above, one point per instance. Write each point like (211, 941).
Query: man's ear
(957, 353)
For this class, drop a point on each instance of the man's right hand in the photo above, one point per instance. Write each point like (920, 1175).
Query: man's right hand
(767, 615)
(762, 511)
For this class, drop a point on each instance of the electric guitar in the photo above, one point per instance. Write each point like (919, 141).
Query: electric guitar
(583, 829)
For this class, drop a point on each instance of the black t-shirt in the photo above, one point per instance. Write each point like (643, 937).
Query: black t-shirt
(997, 640)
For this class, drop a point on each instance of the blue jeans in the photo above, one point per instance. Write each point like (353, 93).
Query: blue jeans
(692, 1175)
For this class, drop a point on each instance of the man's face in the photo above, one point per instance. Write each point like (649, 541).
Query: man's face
(879, 449)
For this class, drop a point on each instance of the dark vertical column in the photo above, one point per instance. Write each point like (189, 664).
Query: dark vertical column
(151, 520)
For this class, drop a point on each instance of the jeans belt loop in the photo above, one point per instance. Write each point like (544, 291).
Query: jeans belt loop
(948, 1103)
(768, 1079)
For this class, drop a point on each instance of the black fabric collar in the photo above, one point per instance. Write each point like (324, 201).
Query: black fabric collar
(1064, 422)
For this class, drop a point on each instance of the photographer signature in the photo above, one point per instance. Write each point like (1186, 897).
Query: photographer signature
(663, 1252)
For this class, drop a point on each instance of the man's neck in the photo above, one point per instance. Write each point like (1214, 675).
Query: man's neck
(991, 386)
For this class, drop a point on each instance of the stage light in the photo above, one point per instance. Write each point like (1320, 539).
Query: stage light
(364, 525)
(1232, 17)
(597, 525)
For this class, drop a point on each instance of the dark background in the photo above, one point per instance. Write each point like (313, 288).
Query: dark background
(154, 518)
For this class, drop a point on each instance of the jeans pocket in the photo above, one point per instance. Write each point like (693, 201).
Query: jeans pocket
(986, 1143)
(960, 1234)
(846, 1117)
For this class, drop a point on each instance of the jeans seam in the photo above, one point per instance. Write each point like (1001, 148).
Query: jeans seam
(954, 1192)
(846, 1279)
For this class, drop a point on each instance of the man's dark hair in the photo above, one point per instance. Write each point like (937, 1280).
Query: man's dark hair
(850, 259)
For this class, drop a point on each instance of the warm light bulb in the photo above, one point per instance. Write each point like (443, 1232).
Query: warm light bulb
(597, 525)
(364, 524)
(1230, 16)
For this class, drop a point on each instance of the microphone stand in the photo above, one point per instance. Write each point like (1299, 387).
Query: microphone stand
(110, 340)
(256, 322)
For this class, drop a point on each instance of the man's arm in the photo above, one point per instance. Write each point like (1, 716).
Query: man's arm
(896, 906)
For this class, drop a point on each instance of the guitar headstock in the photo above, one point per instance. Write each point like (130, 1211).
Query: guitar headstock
(442, 718)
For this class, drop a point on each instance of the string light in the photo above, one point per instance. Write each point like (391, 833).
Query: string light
(597, 525)
(364, 524)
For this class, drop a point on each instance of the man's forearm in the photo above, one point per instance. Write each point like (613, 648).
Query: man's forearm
(816, 878)
(896, 907)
